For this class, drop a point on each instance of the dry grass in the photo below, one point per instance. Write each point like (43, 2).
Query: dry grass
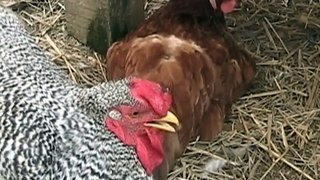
(274, 131)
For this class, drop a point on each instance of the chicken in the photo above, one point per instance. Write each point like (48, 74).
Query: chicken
(50, 128)
(186, 47)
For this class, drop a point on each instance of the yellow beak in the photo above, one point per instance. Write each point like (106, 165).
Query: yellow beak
(163, 123)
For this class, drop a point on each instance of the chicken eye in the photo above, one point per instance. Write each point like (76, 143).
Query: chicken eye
(135, 113)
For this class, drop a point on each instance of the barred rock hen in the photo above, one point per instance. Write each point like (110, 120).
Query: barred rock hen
(52, 129)
(186, 47)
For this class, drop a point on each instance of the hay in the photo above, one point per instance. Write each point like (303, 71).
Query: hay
(274, 130)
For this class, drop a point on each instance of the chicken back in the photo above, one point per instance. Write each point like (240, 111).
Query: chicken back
(185, 46)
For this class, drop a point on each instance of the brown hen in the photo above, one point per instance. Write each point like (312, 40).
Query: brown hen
(186, 47)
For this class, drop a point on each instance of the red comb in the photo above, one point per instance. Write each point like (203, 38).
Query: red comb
(153, 93)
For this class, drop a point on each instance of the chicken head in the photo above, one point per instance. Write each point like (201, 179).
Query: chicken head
(226, 6)
(140, 125)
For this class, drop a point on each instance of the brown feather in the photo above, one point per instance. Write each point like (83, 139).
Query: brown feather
(185, 46)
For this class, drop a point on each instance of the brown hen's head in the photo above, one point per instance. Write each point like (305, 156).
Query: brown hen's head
(226, 6)
(140, 125)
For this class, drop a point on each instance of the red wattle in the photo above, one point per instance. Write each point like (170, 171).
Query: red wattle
(148, 146)
(150, 153)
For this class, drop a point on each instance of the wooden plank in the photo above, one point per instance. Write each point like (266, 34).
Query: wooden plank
(98, 23)
(15, 5)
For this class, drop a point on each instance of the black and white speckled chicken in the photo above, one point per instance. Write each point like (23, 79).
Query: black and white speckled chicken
(50, 128)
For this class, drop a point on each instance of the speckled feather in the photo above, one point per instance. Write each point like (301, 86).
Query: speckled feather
(49, 127)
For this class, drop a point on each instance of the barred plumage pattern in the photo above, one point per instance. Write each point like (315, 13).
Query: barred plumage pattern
(50, 128)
